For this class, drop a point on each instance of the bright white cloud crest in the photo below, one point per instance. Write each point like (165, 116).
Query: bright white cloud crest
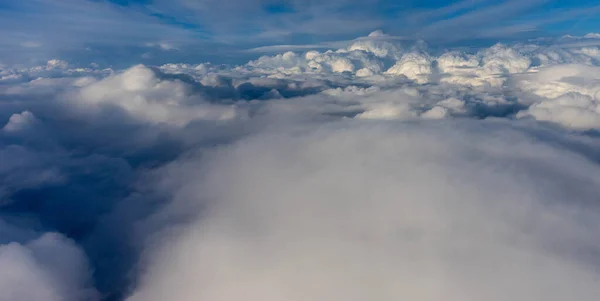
(381, 170)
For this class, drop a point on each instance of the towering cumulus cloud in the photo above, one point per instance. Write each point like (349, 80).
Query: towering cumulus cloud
(381, 170)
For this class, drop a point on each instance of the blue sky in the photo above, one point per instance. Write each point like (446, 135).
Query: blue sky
(130, 31)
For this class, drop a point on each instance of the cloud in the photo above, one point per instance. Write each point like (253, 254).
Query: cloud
(316, 173)
(355, 210)
(570, 96)
(50, 267)
(31, 44)
(20, 122)
(570, 110)
(163, 46)
(415, 66)
(72, 25)
(144, 95)
(256, 17)
(473, 18)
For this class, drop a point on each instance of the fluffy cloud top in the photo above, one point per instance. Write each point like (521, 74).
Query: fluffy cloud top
(144, 95)
(570, 96)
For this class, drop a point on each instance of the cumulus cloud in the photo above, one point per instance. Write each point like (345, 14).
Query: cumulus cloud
(142, 93)
(570, 110)
(415, 66)
(20, 122)
(50, 267)
(570, 95)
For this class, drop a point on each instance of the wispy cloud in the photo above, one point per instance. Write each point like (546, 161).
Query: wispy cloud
(220, 27)
(474, 20)
(73, 25)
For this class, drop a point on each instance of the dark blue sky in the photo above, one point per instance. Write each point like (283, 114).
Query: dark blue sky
(220, 30)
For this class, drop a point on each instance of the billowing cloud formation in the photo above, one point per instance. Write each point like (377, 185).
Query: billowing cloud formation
(381, 170)
(570, 95)
(140, 92)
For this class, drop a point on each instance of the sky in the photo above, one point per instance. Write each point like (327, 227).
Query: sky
(300, 151)
(152, 31)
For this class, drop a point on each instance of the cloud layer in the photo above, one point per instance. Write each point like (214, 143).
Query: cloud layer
(384, 169)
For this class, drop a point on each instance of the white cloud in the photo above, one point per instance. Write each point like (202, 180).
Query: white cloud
(415, 66)
(141, 92)
(570, 96)
(163, 45)
(57, 64)
(571, 110)
(592, 35)
(500, 59)
(50, 268)
(20, 122)
(370, 57)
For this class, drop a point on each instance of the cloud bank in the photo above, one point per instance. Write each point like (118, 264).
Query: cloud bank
(384, 169)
